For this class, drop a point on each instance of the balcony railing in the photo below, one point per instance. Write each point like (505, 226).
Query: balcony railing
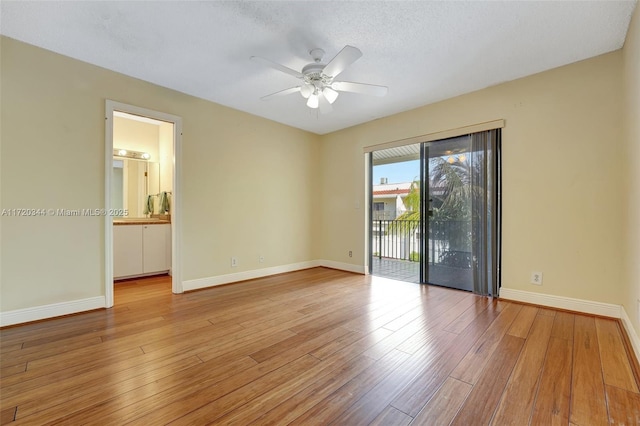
(449, 241)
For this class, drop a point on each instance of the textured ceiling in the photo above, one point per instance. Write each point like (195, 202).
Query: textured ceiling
(423, 51)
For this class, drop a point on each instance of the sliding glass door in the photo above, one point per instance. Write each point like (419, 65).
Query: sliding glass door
(444, 229)
(448, 220)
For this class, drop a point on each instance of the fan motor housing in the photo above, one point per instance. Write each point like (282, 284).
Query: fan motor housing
(312, 69)
(313, 75)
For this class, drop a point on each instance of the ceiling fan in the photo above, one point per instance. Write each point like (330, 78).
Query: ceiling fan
(318, 85)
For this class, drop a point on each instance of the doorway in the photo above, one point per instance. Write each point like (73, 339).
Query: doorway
(142, 185)
(445, 229)
(395, 213)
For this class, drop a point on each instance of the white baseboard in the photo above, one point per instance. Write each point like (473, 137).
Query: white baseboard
(631, 332)
(246, 275)
(20, 316)
(560, 302)
(358, 269)
(265, 272)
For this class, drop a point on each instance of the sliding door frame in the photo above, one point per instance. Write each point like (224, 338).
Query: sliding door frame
(424, 141)
(424, 214)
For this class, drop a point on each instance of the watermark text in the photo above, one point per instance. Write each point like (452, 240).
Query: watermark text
(57, 212)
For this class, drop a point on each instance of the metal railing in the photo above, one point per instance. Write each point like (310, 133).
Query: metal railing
(449, 241)
(396, 239)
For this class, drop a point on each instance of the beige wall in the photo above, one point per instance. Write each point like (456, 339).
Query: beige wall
(631, 61)
(562, 179)
(136, 136)
(52, 113)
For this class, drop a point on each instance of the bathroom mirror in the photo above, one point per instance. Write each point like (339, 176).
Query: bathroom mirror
(132, 182)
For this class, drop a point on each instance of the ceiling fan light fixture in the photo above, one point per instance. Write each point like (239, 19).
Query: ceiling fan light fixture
(330, 94)
(306, 90)
(313, 101)
(318, 85)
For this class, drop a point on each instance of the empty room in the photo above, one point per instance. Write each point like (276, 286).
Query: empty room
(320, 212)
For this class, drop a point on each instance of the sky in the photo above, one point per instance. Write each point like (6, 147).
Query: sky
(397, 172)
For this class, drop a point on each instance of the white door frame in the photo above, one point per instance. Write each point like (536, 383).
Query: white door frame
(368, 188)
(176, 211)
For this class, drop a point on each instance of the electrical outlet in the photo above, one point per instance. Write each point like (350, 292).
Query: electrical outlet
(536, 278)
(350, 253)
(261, 259)
(234, 262)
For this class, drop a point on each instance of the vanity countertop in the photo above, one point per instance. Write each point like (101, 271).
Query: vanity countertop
(140, 221)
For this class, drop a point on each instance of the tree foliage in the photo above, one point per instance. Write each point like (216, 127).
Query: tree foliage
(452, 189)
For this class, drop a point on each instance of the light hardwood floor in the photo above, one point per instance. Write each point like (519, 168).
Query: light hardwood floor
(317, 347)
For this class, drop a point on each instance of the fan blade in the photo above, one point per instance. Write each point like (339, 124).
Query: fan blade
(281, 93)
(277, 66)
(341, 61)
(325, 106)
(362, 88)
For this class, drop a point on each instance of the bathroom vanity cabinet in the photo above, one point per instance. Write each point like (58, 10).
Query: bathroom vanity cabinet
(141, 249)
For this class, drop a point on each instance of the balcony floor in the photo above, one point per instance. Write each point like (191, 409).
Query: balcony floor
(403, 270)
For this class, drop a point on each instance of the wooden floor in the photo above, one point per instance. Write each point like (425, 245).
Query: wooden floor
(317, 347)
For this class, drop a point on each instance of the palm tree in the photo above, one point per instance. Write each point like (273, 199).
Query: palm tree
(452, 191)
(412, 202)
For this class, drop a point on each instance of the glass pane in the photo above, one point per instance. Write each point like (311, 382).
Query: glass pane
(450, 214)
(395, 213)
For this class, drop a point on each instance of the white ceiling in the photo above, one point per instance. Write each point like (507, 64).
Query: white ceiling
(424, 51)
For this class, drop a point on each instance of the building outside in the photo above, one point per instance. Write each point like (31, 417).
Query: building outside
(388, 199)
